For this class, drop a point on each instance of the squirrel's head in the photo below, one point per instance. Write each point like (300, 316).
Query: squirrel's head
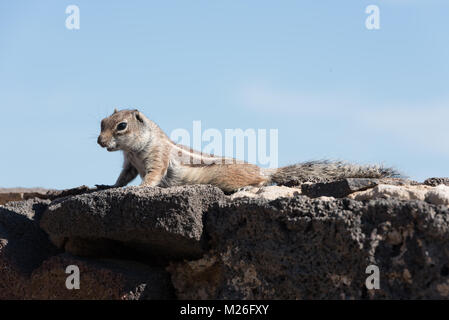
(123, 130)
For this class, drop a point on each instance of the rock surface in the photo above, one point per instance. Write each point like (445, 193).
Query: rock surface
(435, 195)
(153, 221)
(313, 241)
(337, 189)
(433, 182)
(300, 248)
(100, 280)
(18, 194)
(23, 246)
(269, 193)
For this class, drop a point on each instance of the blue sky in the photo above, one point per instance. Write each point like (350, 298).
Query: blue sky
(310, 69)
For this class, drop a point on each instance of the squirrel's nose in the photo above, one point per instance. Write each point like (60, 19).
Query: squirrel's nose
(101, 142)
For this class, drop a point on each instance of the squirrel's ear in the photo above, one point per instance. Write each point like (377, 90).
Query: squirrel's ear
(138, 115)
(115, 110)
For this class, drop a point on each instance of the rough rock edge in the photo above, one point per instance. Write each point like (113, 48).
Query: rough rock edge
(253, 239)
(440, 287)
(162, 221)
(100, 280)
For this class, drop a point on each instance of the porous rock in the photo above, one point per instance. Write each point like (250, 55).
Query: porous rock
(156, 221)
(106, 279)
(269, 192)
(23, 246)
(438, 195)
(436, 181)
(301, 248)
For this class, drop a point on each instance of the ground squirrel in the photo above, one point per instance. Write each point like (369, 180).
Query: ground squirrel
(149, 152)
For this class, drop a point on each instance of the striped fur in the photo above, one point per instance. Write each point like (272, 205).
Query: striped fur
(160, 162)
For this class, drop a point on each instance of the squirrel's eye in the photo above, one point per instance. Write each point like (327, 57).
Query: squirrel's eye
(121, 126)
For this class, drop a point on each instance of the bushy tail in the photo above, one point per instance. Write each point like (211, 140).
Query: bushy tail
(321, 171)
